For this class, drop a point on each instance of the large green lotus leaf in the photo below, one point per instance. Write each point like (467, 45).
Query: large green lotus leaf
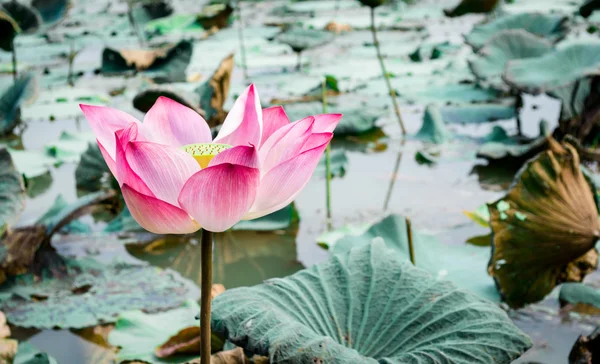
(572, 98)
(24, 89)
(27, 18)
(478, 113)
(12, 191)
(544, 230)
(52, 11)
(553, 70)
(31, 163)
(507, 45)
(464, 265)
(552, 27)
(300, 39)
(92, 173)
(166, 64)
(174, 24)
(278, 220)
(472, 7)
(450, 93)
(579, 293)
(357, 118)
(8, 30)
(138, 334)
(69, 146)
(89, 294)
(511, 152)
(368, 305)
(29, 354)
(434, 129)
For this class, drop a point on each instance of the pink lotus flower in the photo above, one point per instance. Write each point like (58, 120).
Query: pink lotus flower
(176, 179)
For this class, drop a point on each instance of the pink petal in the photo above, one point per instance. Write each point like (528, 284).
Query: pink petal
(316, 140)
(104, 122)
(273, 119)
(326, 123)
(163, 168)
(124, 174)
(169, 122)
(282, 184)
(157, 216)
(240, 155)
(285, 143)
(243, 124)
(219, 196)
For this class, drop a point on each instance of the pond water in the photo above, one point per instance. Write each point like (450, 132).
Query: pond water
(382, 175)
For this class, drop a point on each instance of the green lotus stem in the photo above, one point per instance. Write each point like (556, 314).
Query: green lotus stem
(241, 38)
(205, 299)
(388, 195)
(411, 250)
(299, 62)
(327, 160)
(14, 62)
(386, 76)
(71, 59)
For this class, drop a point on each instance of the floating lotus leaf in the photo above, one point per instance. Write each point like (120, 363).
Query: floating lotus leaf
(450, 93)
(69, 146)
(472, 7)
(12, 191)
(553, 70)
(8, 31)
(177, 23)
(138, 334)
(301, 39)
(145, 99)
(29, 354)
(215, 16)
(434, 129)
(165, 64)
(52, 11)
(27, 18)
(545, 228)
(552, 27)
(508, 45)
(90, 293)
(31, 163)
(462, 264)
(511, 152)
(24, 89)
(579, 294)
(478, 113)
(214, 92)
(366, 306)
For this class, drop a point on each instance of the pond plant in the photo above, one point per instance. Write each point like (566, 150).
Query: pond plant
(176, 179)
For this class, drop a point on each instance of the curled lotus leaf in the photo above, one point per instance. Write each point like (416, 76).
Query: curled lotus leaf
(551, 27)
(214, 92)
(545, 228)
(23, 90)
(27, 18)
(12, 191)
(372, 3)
(491, 60)
(555, 69)
(8, 31)
(472, 7)
(52, 11)
(368, 305)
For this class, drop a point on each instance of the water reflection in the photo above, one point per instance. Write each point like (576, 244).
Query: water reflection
(242, 258)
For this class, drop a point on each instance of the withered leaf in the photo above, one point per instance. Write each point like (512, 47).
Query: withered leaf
(544, 230)
(234, 356)
(213, 93)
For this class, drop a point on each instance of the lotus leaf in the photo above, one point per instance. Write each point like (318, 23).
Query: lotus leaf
(477, 113)
(90, 293)
(138, 334)
(553, 70)
(300, 39)
(9, 30)
(278, 220)
(165, 64)
(552, 27)
(545, 228)
(589, 7)
(472, 7)
(24, 89)
(177, 23)
(92, 173)
(12, 191)
(214, 92)
(29, 354)
(144, 100)
(508, 45)
(52, 217)
(368, 305)
(69, 146)
(52, 11)
(31, 163)
(510, 152)
(27, 18)
(338, 163)
(464, 265)
(579, 293)
(215, 16)
(434, 129)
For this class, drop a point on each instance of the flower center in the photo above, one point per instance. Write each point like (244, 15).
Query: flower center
(205, 152)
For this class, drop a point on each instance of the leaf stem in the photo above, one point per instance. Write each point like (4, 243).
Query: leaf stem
(241, 39)
(14, 62)
(299, 61)
(205, 289)
(411, 250)
(386, 76)
(388, 195)
(327, 159)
